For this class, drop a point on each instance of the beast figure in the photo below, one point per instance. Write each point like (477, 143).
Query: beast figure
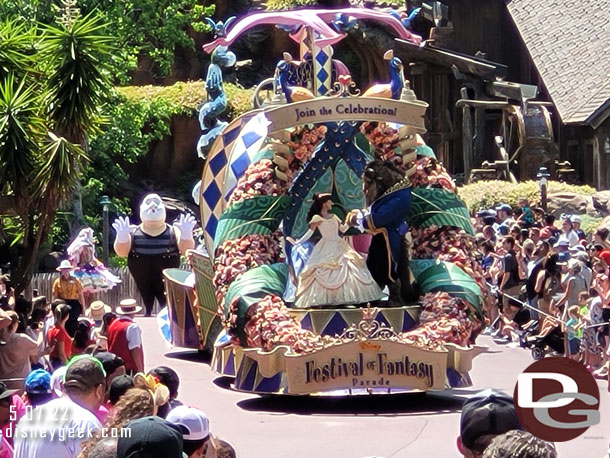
(388, 196)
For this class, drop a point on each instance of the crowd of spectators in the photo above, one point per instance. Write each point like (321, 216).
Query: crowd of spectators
(85, 393)
(550, 279)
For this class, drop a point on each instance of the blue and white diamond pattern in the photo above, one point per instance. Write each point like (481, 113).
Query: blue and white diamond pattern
(211, 202)
(249, 142)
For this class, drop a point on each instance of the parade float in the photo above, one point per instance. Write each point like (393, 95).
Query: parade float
(338, 257)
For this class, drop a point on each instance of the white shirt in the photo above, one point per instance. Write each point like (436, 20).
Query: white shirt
(54, 430)
(134, 336)
(572, 237)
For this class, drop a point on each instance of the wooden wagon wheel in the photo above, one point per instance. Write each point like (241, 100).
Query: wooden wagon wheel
(513, 132)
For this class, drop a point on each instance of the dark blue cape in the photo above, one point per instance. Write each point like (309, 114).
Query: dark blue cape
(386, 221)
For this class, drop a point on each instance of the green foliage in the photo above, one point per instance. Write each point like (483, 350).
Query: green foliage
(116, 262)
(488, 194)
(151, 28)
(20, 126)
(17, 50)
(142, 29)
(58, 173)
(52, 87)
(589, 224)
(185, 98)
(28, 11)
(288, 4)
(75, 52)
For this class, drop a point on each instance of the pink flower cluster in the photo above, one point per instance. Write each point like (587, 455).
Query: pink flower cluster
(431, 174)
(234, 257)
(445, 319)
(269, 324)
(303, 142)
(383, 138)
(258, 180)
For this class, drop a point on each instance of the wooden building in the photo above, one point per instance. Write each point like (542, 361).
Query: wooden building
(560, 46)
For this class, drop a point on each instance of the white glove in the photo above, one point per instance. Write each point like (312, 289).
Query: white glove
(123, 229)
(185, 225)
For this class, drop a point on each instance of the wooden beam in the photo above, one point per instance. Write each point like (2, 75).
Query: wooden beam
(466, 137)
(446, 58)
(485, 104)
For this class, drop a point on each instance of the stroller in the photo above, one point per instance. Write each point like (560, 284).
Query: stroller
(553, 341)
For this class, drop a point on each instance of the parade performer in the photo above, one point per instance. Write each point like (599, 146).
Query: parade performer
(90, 271)
(152, 247)
(334, 274)
(69, 289)
(388, 192)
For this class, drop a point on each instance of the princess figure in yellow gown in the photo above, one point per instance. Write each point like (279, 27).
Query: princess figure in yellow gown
(334, 274)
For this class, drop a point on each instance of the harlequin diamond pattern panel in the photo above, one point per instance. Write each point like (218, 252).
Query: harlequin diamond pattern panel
(213, 176)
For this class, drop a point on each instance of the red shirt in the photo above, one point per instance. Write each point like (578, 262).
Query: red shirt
(117, 341)
(55, 335)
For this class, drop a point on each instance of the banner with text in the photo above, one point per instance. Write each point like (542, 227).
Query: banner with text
(366, 364)
(328, 109)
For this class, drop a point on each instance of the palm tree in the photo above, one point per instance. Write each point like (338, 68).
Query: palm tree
(78, 53)
(49, 103)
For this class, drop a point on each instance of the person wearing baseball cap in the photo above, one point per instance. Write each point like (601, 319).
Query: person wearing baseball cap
(196, 427)
(504, 215)
(113, 365)
(575, 219)
(38, 387)
(486, 415)
(152, 437)
(118, 387)
(62, 424)
(562, 245)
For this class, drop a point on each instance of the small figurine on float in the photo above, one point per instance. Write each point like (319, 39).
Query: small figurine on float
(90, 271)
(152, 247)
(334, 274)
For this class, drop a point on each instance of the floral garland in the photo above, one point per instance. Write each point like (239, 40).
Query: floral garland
(445, 319)
(236, 256)
(268, 321)
(303, 141)
(258, 180)
(431, 174)
(383, 139)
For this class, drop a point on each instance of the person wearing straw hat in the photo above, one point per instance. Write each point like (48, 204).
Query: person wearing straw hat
(69, 289)
(125, 336)
(96, 312)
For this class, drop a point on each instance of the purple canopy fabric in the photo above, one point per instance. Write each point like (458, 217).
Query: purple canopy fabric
(317, 19)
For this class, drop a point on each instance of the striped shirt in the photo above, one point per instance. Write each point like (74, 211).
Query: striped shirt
(146, 245)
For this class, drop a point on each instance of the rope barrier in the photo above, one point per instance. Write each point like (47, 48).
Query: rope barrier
(525, 304)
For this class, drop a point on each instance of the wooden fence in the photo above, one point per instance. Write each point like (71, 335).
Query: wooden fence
(126, 289)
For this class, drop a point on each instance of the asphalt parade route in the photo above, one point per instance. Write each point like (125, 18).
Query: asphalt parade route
(397, 426)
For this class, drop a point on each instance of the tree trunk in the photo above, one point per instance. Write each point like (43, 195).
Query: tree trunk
(22, 275)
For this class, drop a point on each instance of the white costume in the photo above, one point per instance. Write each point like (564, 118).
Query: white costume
(334, 274)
